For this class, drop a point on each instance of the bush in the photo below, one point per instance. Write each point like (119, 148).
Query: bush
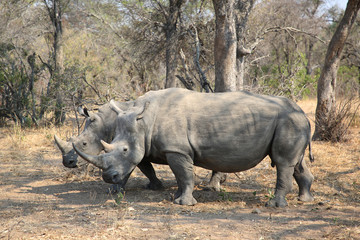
(335, 126)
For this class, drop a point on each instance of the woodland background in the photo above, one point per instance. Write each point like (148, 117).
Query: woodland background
(58, 54)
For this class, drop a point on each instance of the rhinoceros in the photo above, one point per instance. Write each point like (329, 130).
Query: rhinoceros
(225, 132)
(101, 126)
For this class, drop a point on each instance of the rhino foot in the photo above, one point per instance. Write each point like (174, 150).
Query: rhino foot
(182, 200)
(217, 178)
(155, 185)
(306, 197)
(115, 188)
(276, 202)
(212, 188)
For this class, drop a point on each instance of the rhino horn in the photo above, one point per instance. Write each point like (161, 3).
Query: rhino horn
(114, 107)
(96, 160)
(63, 145)
(107, 147)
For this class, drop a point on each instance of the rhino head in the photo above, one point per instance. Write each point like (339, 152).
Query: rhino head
(69, 156)
(126, 150)
(88, 141)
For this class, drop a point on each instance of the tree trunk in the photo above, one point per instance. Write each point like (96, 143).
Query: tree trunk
(58, 62)
(225, 46)
(56, 68)
(172, 45)
(309, 49)
(327, 81)
(242, 11)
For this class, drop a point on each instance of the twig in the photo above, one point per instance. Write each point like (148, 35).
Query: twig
(187, 81)
(203, 80)
(290, 30)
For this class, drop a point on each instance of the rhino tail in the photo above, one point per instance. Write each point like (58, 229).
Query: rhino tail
(311, 156)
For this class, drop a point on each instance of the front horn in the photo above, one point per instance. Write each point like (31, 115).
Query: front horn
(64, 146)
(96, 160)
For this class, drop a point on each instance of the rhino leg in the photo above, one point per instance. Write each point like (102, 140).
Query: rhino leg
(283, 186)
(182, 167)
(216, 179)
(148, 170)
(304, 179)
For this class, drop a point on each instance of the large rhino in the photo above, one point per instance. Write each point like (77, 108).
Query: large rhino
(101, 126)
(226, 132)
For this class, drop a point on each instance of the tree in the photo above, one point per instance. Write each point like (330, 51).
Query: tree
(225, 46)
(172, 43)
(55, 10)
(242, 11)
(326, 102)
(229, 44)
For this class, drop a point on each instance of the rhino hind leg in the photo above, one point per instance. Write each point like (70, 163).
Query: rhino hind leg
(283, 186)
(182, 167)
(304, 179)
(148, 170)
(217, 178)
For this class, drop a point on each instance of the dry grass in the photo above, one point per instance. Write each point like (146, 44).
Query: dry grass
(40, 199)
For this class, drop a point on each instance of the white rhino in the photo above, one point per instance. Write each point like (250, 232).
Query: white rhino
(225, 132)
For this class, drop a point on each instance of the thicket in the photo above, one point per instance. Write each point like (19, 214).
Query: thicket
(116, 49)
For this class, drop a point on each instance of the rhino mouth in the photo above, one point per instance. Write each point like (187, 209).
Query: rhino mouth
(114, 177)
(70, 164)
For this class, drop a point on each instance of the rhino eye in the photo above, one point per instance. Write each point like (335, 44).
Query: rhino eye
(125, 149)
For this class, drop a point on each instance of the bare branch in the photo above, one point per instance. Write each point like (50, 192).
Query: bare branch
(187, 81)
(92, 87)
(291, 30)
(203, 80)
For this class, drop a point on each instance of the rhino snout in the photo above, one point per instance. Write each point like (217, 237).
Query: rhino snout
(70, 163)
(70, 159)
(111, 177)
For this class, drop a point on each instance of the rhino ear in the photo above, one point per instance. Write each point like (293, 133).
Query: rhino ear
(141, 110)
(83, 112)
(114, 107)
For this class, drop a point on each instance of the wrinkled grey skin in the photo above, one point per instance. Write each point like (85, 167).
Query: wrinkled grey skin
(226, 132)
(101, 125)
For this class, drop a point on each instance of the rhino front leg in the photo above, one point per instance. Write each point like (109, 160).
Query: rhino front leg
(148, 170)
(283, 186)
(182, 167)
(216, 179)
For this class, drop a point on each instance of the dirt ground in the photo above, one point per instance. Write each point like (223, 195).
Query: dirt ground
(41, 199)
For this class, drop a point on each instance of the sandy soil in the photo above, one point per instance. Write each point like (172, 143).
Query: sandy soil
(41, 199)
